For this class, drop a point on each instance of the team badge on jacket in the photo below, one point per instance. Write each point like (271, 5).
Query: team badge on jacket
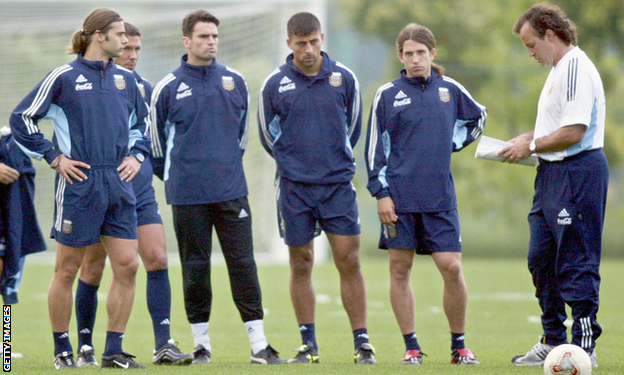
(142, 89)
(120, 82)
(444, 94)
(335, 79)
(228, 83)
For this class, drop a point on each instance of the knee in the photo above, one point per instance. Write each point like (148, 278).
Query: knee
(91, 275)
(158, 261)
(400, 272)
(126, 267)
(301, 263)
(452, 272)
(348, 262)
(66, 272)
(91, 272)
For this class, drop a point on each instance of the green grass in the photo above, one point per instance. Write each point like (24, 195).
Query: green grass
(502, 321)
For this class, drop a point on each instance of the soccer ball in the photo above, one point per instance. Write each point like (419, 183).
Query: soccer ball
(567, 359)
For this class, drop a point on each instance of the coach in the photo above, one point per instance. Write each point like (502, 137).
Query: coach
(571, 186)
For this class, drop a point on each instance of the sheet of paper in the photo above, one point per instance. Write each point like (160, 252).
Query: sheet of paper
(488, 149)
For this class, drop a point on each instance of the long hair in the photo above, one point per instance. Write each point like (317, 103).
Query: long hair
(99, 19)
(422, 35)
(542, 17)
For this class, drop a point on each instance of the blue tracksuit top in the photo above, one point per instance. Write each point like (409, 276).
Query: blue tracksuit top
(201, 124)
(144, 87)
(310, 124)
(414, 127)
(142, 182)
(20, 234)
(98, 113)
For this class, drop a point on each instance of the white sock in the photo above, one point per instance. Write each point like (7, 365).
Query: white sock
(200, 335)
(255, 330)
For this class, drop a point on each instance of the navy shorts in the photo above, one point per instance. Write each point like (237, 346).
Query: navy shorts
(304, 208)
(427, 233)
(146, 206)
(102, 204)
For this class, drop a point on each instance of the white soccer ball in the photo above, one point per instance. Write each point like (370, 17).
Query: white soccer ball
(567, 359)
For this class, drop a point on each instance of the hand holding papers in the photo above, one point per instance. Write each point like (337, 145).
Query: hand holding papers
(488, 149)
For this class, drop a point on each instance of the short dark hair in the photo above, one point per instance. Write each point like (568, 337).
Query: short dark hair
(131, 30)
(302, 24)
(191, 19)
(420, 34)
(543, 17)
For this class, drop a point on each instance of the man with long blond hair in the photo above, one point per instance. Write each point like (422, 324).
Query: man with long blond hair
(99, 123)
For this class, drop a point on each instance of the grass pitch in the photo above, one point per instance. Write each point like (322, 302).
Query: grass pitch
(503, 321)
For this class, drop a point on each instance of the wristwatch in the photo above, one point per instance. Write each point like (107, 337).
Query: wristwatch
(532, 145)
(139, 156)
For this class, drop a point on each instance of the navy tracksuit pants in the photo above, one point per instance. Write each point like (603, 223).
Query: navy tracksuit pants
(566, 223)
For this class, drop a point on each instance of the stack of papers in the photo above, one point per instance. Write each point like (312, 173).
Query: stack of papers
(488, 148)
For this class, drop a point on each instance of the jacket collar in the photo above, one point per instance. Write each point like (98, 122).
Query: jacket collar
(325, 67)
(137, 76)
(420, 81)
(95, 65)
(197, 71)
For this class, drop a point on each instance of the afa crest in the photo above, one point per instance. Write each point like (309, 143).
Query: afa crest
(335, 79)
(120, 82)
(228, 83)
(67, 226)
(444, 94)
(142, 89)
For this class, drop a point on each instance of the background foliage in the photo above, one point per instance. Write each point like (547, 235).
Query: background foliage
(476, 45)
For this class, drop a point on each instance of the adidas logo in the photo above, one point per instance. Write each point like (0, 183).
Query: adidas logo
(285, 80)
(64, 335)
(85, 331)
(183, 86)
(363, 335)
(564, 218)
(165, 322)
(400, 95)
(243, 214)
(81, 79)
(303, 328)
